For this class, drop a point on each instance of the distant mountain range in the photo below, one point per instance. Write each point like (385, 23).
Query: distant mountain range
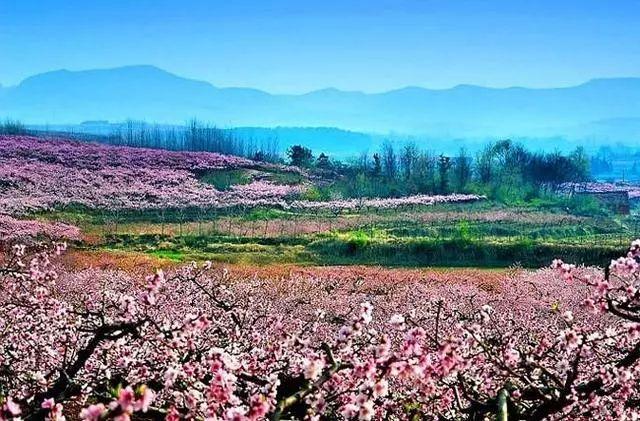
(606, 109)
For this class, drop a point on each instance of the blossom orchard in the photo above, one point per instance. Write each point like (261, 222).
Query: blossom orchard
(44, 173)
(194, 344)
(14, 230)
(47, 174)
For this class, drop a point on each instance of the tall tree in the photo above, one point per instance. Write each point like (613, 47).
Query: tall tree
(300, 156)
(444, 164)
(462, 170)
(377, 166)
(408, 159)
(485, 165)
(389, 160)
(323, 162)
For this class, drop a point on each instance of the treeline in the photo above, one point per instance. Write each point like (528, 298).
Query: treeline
(194, 136)
(13, 127)
(616, 161)
(502, 170)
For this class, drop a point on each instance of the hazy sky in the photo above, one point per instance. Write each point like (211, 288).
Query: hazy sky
(291, 46)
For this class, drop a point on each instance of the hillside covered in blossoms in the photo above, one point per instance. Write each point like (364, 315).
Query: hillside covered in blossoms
(42, 174)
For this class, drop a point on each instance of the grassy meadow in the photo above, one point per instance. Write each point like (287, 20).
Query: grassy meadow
(486, 234)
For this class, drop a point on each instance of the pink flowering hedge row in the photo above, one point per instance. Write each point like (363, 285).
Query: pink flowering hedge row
(385, 203)
(559, 343)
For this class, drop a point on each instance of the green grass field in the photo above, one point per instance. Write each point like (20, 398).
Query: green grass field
(474, 235)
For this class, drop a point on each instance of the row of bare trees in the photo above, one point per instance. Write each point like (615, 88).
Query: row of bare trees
(194, 136)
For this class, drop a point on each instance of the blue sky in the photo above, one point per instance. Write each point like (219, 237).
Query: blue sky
(293, 46)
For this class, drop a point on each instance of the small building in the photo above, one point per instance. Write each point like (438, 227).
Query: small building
(616, 201)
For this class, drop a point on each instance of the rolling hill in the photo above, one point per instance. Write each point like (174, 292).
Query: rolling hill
(149, 93)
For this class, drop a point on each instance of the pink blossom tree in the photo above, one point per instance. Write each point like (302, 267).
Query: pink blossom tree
(194, 344)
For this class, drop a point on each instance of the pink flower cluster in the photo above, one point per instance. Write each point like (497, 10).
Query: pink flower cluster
(385, 203)
(197, 343)
(15, 230)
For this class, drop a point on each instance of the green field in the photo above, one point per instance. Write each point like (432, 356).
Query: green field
(476, 235)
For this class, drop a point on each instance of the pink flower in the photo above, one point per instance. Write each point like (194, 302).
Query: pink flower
(624, 265)
(48, 403)
(344, 333)
(568, 316)
(144, 399)
(55, 410)
(590, 305)
(349, 410)
(633, 330)
(412, 344)
(602, 286)
(126, 399)
(571, 338)
(511, 357)
(259, 407)
(397, 321)
(312, 368)
(172, 414)
(381, 388)
(93, 412)
(366, 411)
(12, 408)
(234, 414)
(170, 376)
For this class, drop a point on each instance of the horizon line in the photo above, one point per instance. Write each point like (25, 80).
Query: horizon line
(318, 90)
